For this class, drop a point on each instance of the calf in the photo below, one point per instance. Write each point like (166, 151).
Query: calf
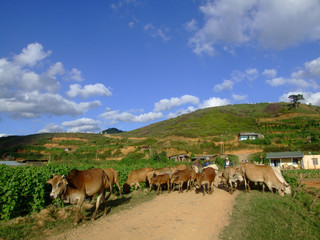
(136, 177)
(159, 180)
(181, 177)
(113, 178)
(78, 185)
(206, 180)
(158, 171)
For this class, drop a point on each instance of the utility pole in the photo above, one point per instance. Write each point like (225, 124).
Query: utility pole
(222, 146)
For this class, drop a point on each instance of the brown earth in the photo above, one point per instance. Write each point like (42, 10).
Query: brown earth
(168, 216)
(314, 183)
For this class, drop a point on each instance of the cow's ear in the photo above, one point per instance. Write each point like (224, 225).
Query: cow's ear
(49, 181)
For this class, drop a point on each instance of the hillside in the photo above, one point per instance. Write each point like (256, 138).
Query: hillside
(228, 120)
(200, 132)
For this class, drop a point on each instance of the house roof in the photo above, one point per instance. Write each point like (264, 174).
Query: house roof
(296, 154)
(249, 134)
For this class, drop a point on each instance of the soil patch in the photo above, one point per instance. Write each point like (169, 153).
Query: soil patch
(315, 183)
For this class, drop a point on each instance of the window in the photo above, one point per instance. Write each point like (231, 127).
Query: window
(295, 161)
(315, 161)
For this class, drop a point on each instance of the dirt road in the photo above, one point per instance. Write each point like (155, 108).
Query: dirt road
(168, 216)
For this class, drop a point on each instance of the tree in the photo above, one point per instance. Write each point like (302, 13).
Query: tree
(295, 98)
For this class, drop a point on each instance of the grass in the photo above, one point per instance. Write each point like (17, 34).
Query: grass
(31, 228)
(264, 216)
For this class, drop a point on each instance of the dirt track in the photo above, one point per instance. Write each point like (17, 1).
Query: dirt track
(168, 216)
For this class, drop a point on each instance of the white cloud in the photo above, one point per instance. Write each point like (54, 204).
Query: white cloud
(75, 75)
(252, 74)
(299, 83)
(313, 67)
(115, 116)
(33, 104)
(277, 81)
(272, 24)
(191, 26)
(304, 78)
(27, 93)
(310, 70)
(237, 97)
(214, 102)
(82, 125)
(31, 55)
(270, 73)
(182, 111)
(309, 97)
(133, 22)
(225, 85)
(167, 104)
(56, 69)
(52, 128)
(90, 90)
(4, 135)
(155, 32)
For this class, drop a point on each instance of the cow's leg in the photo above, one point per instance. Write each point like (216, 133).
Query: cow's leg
(269, 186)
(79, 216)
(230, 186)
(204, 189)
(212, 183)
(100, 196)
(168, 186)
(118, 185)
(246, 183)
(188, 185)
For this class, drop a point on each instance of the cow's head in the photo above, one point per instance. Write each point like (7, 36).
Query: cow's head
(281, 189)
(287, 189)
(59, 185)
(126, 188)
(237, 176)
(199, 179)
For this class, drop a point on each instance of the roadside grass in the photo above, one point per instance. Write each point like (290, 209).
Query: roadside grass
(35, 227)
(258, 215)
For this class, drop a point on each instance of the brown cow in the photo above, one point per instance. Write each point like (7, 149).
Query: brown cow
(181, 177)
(261, 173)
(113, 178)
(159, 180)
(135, 177)
(78, 185)
(158, 171)
(206, 179)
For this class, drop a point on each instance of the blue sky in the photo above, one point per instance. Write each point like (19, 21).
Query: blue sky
(85, 66)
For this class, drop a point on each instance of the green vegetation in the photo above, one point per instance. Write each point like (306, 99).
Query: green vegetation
(262, 216)
(23, 190)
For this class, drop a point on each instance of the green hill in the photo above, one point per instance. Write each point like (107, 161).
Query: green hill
(229, 120)
(200, 132)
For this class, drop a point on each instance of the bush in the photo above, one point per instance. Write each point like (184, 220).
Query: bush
(162, 156)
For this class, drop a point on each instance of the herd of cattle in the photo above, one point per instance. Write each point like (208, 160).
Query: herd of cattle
(78, 185)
